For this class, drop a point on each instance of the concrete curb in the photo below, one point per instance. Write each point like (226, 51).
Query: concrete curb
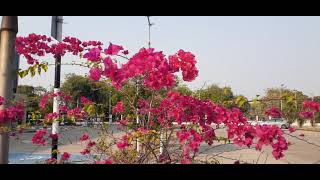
(309, 129)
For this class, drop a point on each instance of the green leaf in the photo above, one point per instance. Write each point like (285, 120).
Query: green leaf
(90, 109)
(44, 67)
(290, 99)
(32, 70)
(240, 101)
(255, 101)
(23, 74)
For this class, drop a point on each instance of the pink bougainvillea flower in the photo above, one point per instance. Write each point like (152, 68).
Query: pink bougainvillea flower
(84, 137)
(63, 109)
(38, 137)
(54, 136)
(113, 49)
(306, 115)
(186, 161)
(1, 100)
(291, 129)
(57, 94)
(95, 73)
(85, 151)
(93, 55)
(67, 98)
(104, 161)
(123, 143)
(119, 108)
(91, 144)
(126, 52)
(75, 113)
(311, 105)
(65, 156)
(43, 101)
(2, 115)
(124, 122)
(273, 112)
(277, 154)
(85, 100)
(51, 117)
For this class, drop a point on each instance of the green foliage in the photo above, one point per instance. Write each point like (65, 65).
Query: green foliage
(31, 96)
(291, 102)
(32, 70)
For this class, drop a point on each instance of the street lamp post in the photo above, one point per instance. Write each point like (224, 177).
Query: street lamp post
(282, 85)
(8, 32)
(56, 32)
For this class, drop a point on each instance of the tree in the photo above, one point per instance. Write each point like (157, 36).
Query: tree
(291, 102)
(216, 94)
(32, 95)
(223, 96)
(147, 81)
(78, 86)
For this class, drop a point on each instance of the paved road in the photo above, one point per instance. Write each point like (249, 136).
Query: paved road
(299, 152)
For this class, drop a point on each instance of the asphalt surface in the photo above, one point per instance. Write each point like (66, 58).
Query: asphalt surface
(304, 150)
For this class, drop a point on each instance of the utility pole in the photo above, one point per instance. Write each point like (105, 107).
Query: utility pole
(110, 110)
(281, 96)
(295, 97)
(56, 32)
(137, 119)
(8, 32)
(149, 24)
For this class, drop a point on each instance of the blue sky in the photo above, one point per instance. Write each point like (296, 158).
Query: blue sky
(250, 54)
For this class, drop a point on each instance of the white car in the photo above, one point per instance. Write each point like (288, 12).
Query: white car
(281, 123)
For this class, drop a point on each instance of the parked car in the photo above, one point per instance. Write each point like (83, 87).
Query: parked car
(280, 122)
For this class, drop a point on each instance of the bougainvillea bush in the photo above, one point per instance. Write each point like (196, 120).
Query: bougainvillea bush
(163, 127)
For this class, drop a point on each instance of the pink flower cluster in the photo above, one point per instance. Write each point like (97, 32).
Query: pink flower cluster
(179, 108)
(157, 70)
(124, 142)
(2, 100)
(95, 73)
(85, 101)
(90, 144)
(12, 113)
(273, 112)
(124, 122)
(154, 66)
(41, 45)
(192, 138)
(104, 161)
(65, 156)
(76, 113)
(310, 108)
(271, 135)
(118, 108)
(44, 99)
(50, 117)
(38, 137)
(89, 147)
(306, 115)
